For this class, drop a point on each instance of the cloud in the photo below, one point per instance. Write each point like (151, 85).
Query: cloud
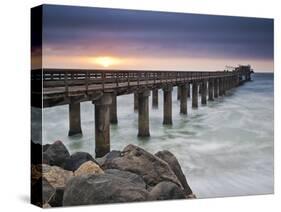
(82, 30)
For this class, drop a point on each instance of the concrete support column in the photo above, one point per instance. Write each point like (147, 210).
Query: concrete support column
(143, 99)
(136, 102)
(220, 87)
(167, 112)
(183, 99)
(74, 119)
(188, 90)
(155, 98)
(223, 86)
(194, 95)
(227, 83)
(237, 80)
(113, 110)
(204, 93)
(216, 87)
(102, 124)
(179, 93)
(211, 90)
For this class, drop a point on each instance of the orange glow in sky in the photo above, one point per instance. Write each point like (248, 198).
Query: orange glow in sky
(105, 61)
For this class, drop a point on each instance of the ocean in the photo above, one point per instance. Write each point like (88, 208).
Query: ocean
(225, 148)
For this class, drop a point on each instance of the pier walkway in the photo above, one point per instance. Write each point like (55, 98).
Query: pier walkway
(53, 87)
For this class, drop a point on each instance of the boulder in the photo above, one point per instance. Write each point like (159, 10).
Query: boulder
(56, 154)
(57, 198)
(152, 169)
(45, 147)
(131, 177)
(75, 160)
(175, 166)
(41, 191)
(166, 191)
(88, 167)
(112, 187)
(109, 156)
(55, 175)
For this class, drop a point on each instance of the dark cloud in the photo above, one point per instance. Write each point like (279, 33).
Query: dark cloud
(131, 32)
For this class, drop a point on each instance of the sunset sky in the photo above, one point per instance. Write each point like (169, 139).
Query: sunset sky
(81, 37)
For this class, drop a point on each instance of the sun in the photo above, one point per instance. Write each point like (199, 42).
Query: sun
(106, 61)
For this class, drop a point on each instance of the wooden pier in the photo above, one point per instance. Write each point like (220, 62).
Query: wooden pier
(53, 87)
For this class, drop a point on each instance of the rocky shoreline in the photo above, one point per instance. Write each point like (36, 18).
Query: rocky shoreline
(130, 175)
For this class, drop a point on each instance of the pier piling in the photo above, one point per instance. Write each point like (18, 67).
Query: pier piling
(167, 112)
(74, 119)
(179, 93)
(204, 93)
(143, 107)
(220, 87)
(136, 102)
(188, 90)
(155, 98)
(113, 110)
(102, 124)
(194, 95)
(223, 86)
(211, 90)
(216, 88)
(183, 99)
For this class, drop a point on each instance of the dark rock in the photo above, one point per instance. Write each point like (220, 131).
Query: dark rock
(45, 147)
(175, 166)
(46, 158)
(57, 198)
(56, 154)
(113, 154)
(47, 190)
(133, 178)
(75, 160)
(41, 191)
(112, 187)
(136, 160)
(109, 156)
(165, 191)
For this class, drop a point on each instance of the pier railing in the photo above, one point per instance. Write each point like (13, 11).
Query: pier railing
(72, 77)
